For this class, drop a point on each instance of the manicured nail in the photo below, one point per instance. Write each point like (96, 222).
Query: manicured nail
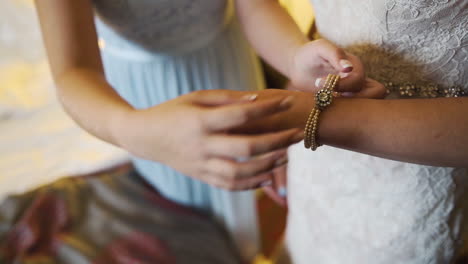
(266, 183)
(318, 82)
(347, 94)
(282, 191)
(286, 102)
(344, 74)
(250, 97)
(281, 161)
(346, 64)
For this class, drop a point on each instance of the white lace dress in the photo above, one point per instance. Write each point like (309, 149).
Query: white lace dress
(347, 207)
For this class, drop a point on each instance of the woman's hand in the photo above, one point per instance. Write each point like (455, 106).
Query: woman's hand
(317, 59)
(189, 134)
(277, 191)
(295, 117)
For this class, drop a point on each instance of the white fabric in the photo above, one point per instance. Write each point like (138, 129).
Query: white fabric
(416, 41)
(39, 143)
(347, 207)
(175, 26)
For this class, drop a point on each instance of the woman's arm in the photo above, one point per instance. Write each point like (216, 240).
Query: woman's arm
(277, 38)
(71, 43)
(271, 29)
(186, 133)
(424, 131)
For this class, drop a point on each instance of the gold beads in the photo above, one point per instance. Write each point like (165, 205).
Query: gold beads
(311, 129)
(323, 98)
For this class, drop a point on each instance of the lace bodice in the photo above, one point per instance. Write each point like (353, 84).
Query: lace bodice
(400, 41)
(161, 25)
(347, 207)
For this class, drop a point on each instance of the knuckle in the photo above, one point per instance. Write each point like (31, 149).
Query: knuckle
(228, 171)
(279, 140)
(230, 185)
(199, 120)
(204, 151)
(221, 147)
(338, 53)
(242, 116)
(247, 149)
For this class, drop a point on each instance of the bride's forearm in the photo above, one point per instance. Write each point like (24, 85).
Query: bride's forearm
(425, 131)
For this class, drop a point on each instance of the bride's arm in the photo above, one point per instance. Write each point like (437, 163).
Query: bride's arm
(424, 131)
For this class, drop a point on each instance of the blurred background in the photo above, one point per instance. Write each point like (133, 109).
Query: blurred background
(38, 141)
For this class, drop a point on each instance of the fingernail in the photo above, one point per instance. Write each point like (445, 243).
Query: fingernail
(242, 159)
(282, 191)
(266, 183)
(344, 74)
(346, 64)
(347, 94)
(318, 82)
(281, 161)
(286, 102)
(250, 97)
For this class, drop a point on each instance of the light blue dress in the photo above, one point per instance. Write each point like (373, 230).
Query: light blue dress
(156, 50)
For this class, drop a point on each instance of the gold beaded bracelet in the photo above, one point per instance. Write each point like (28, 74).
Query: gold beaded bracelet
(323, 98)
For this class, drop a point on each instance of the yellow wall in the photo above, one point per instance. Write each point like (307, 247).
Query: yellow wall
(301, 10)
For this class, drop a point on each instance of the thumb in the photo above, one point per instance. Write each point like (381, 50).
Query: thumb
(352, 82)
(220, 97)
(336, 56)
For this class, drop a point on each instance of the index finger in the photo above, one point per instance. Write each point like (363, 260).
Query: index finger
(353, 81)
(230, 116)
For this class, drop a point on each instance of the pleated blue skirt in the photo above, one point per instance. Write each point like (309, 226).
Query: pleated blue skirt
(147, 78)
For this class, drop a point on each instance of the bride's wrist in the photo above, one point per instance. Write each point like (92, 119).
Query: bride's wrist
(305, 102)
(336, 126)
(330, 125)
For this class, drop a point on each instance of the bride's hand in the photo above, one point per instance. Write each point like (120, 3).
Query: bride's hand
(189, 134)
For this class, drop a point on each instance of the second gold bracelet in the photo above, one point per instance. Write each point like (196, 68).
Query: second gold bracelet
(323, 98)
